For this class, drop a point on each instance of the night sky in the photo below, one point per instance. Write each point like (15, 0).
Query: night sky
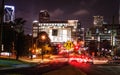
(83, 10)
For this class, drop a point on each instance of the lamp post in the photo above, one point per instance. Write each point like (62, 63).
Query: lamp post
(1, 21)
(43, 37)
(40, 41)
(112, 36)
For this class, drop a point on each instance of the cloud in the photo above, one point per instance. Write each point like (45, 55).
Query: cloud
(56, 13)
(81, 12)
(88, 2)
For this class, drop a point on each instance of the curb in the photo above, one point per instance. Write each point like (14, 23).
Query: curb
(16, 66)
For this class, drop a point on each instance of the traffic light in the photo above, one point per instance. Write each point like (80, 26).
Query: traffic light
(76, 47)
(59, 45)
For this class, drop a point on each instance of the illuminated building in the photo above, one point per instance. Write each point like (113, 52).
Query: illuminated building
(101, 32)
(98, 20)
(9, 13)
(95, 31)
(58, 31)
(115, 30)
(44, 16)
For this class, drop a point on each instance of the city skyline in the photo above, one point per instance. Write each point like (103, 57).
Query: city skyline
(83, 10)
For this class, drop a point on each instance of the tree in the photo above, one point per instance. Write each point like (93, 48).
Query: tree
(92, 47)
(106, 44)
(43, 37)
(19, 41)
(18, 24)
(19, 45)
(42, 40)
(48, 49)
(28, 44)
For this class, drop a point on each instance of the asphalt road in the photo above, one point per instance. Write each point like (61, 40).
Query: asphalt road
(103, 69)
(36, 70)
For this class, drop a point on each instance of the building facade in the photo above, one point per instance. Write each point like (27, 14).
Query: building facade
(44, 16)
(98, 20)
(9, 13)
(104, 32)
(58, 31)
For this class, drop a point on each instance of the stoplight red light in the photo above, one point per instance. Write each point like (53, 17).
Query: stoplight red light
(59, 45)
(76, 47)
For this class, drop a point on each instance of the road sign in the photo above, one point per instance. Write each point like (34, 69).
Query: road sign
(68, 45)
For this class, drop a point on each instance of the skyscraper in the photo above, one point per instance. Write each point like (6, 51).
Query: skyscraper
(98, 21)
(9, 13)
(44, 16)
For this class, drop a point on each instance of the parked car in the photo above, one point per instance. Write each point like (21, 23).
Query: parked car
(5, 54)
(80, 59)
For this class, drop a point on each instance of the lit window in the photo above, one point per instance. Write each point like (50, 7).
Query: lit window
(35, 27)
(52, 24)
(109, 31)
(39, 24)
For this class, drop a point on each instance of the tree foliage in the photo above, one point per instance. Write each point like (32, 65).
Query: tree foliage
(18, 25)
(14, 38)
(43, 41)
(92, 46)
(106, 44)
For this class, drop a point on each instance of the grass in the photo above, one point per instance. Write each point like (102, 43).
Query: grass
(6, 62)
(4, 65)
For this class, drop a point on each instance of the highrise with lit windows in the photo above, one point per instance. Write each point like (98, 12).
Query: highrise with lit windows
(9, 13)
(98, 21)
(44, 16)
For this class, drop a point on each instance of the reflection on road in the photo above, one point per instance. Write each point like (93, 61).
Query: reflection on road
(97, 69)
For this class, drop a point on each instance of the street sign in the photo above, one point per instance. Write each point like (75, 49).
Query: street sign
(68, 45)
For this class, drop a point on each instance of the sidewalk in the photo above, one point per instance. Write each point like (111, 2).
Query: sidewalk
(28, 62)
(35, 60)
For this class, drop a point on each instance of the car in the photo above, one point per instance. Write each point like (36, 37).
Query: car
(116, 59)
(100, 60)
(5, 54)
(80, 58)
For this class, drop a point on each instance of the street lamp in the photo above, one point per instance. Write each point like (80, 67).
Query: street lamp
(40, 41)
(43, 37)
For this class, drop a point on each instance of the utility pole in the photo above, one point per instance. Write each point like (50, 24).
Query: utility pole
(112, 35)
(1, 24)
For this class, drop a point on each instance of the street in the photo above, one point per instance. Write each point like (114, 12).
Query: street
(36, 70)
(58, 62)
(98, 69)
